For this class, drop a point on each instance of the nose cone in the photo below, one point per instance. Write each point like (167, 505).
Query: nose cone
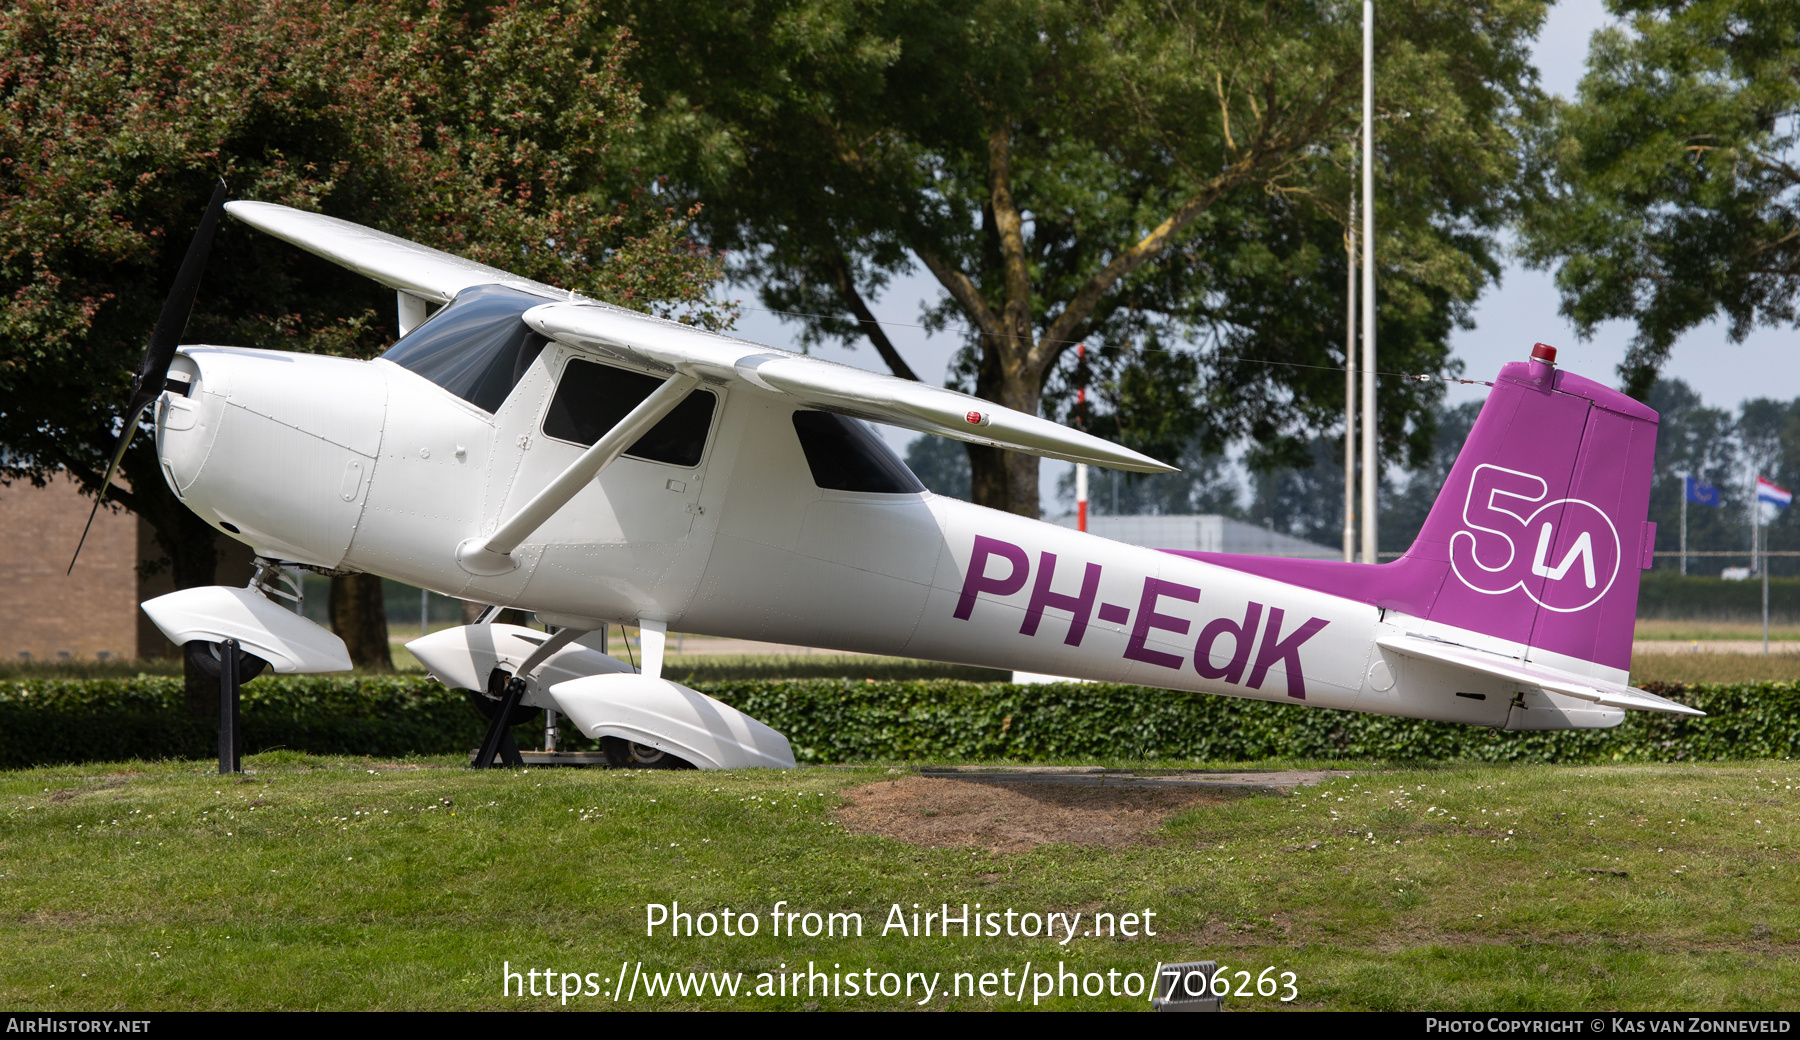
(186, 421)
(274, 448)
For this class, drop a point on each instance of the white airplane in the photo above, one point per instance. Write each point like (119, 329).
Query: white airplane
(525, 447)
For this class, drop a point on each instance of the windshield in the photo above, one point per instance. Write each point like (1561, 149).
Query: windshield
(477, 348)
(844, 454)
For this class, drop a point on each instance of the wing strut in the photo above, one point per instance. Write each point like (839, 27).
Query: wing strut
(493, 554)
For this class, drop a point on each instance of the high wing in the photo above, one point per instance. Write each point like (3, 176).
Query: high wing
(1527, 673)
(669, 346)
(827, 385)
(430, 274)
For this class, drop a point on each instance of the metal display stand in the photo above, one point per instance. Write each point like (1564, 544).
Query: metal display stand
(499, 739)
(231, 756)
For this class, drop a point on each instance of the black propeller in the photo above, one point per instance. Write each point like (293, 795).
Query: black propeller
(153, 371)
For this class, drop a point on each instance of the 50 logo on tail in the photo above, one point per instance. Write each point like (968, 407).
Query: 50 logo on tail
(1564, 554)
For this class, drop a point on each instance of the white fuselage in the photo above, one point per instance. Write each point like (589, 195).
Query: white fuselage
(367, 466)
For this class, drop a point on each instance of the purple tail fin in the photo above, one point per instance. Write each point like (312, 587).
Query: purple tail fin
(1538, 534)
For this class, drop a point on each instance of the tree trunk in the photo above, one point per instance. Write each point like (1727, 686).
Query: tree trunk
(193, 562)
(1007, 480)
(359, 617)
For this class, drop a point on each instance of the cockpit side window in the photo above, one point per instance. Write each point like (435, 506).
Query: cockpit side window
(478, 347)
(591, 399)
(845, 454)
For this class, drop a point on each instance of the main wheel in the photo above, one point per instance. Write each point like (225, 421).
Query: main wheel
(628, 754)
(488, 704)
(208, 657)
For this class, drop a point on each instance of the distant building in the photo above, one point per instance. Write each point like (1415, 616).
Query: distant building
(1204, 533)
(92, 614)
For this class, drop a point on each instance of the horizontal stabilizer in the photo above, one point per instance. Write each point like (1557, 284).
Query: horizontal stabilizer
(667, 345)
(1528, 673)
(425, 272)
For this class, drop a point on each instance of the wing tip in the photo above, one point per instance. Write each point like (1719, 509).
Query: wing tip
(1130, 461)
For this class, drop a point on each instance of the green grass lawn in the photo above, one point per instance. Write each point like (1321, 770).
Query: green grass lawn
(345, 883)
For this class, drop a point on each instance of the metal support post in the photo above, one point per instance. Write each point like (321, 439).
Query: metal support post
(1765, 583)
(1755, 518)
(1350, 390)
(1081, 474)
(499, 738)
(230, 756)
(1371, 464)
(1684, 498)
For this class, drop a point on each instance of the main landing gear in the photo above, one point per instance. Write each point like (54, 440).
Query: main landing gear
(500, 705)
(629, 754)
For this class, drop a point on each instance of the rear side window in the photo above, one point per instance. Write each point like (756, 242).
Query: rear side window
(591, 399)
(846, 455)
(477, 348)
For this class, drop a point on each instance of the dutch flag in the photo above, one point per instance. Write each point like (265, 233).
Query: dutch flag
(1777, 497)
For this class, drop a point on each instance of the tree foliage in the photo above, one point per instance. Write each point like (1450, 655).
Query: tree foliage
(1671, 193)
(507, 134)
(1097, 171)
(1725, 450)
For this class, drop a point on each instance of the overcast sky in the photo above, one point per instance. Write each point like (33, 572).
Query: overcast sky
(1510, 317)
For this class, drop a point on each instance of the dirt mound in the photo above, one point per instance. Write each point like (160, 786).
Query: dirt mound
(1007, 816)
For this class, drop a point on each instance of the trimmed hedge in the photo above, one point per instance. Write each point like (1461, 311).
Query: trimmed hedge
(844, 722)
(55, 721)
(44, 721)
(1667, 594)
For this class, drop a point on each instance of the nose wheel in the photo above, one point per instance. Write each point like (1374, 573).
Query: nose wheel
(208, 658)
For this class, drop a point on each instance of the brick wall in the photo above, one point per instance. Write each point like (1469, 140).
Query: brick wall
(93, 611)
(45, 613)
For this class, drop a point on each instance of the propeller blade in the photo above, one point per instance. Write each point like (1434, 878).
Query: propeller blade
(153, 370)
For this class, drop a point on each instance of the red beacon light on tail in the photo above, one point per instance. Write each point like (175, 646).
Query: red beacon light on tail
(1543, 364)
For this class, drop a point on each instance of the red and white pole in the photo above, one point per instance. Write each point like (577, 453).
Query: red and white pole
(1081, 467)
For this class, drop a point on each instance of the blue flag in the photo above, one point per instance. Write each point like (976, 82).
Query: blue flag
(1701, 493)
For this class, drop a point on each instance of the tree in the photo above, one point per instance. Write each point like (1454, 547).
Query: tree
(1694, 440)
(1404, 508)
(1670, 193)
(1091, 171)
(940, 464)
(506, 135)
(1769, 439)
(358, 613)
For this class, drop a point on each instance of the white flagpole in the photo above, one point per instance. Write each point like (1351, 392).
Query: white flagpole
(1350, 389)
(1370, 467)
(1760, 544)
(1754, 509)
(1765, 579)
(1081, 478)
(1684, 497)
(1081, 496)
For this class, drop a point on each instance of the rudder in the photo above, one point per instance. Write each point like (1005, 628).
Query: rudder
(1538, 534)
(1542, 517)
